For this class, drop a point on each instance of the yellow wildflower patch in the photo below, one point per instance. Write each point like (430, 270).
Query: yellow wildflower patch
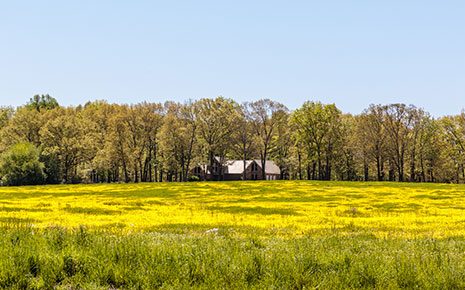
(280, 208)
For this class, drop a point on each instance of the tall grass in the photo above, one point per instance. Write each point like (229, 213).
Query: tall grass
(57, 258)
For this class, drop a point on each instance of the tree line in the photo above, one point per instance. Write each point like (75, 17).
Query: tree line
(45, 143)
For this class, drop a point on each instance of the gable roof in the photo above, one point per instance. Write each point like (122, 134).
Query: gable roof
(270, 166)
(237, 166)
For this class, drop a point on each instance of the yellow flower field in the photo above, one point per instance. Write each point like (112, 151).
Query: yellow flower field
(278, 208)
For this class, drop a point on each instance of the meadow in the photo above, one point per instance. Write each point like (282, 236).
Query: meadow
(233, 235)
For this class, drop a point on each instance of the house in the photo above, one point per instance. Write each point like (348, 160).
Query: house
(229, 170)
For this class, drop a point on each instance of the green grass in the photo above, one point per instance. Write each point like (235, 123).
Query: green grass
(56, 258)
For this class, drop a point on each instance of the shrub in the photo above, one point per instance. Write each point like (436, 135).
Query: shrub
(21, 166)
(193, 178)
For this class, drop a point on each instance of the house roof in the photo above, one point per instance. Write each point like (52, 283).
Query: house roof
(270, 167)
(237, 166)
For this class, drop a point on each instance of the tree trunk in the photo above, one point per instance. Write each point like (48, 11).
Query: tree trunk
(412, 166)
(141, 174)
(423, 176)
(457, 175)
(463, 172)
(431, 171)
(401, 170)
(365, 170)
(126, 175)
(244, 174)
(183, 173)
(314, 171)
(309, 172)
(378, 168)
(189, 154)
(392, 175)
(220, 174)
(328, 168)
(263, 161)
(211, 165)
(136, 176)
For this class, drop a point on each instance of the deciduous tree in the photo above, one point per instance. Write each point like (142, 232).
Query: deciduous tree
(266, 117)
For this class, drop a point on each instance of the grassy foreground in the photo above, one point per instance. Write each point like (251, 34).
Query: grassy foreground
(62, 259)
(233, 235)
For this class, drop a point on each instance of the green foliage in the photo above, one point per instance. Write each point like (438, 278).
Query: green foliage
(21, 166)
(178, 137)
(64, 140)
(23, 126)
(216, 120)
(146, 142)
(193, 178)
(267, 118)
(42, 102)
(318, 128)
(51, 168)
(6, 113)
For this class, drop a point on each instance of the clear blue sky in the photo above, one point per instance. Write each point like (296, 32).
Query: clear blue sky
(351, 53)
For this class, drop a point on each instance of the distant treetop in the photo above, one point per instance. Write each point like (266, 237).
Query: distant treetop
(39, 102)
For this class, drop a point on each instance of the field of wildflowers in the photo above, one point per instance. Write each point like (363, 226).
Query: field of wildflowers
(233, 235)
(277, 208)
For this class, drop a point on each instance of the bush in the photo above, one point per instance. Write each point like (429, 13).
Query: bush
(21, 166)
(193, 178)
